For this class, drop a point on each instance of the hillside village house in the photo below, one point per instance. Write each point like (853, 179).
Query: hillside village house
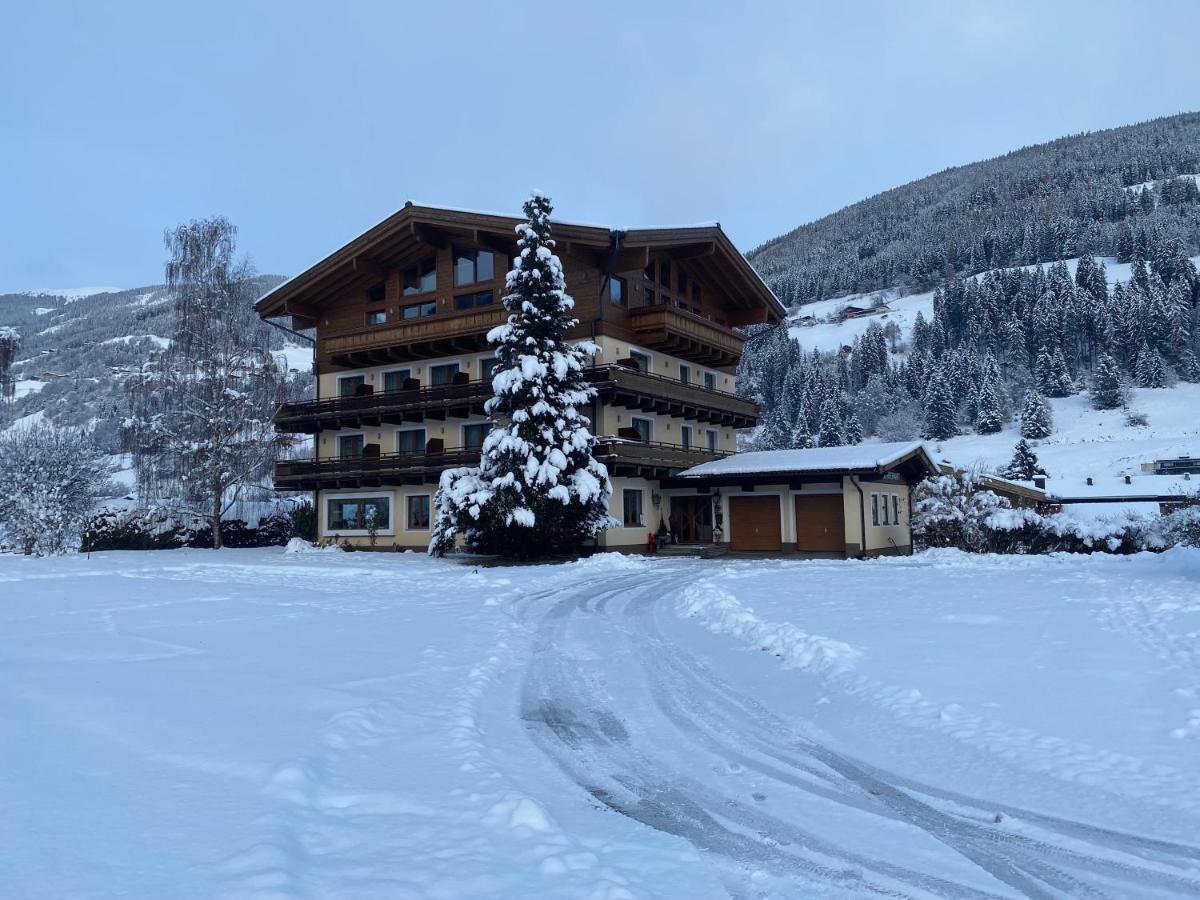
(403, 369)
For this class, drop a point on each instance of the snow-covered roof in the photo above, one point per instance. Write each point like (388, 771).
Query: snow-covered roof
(852, 458)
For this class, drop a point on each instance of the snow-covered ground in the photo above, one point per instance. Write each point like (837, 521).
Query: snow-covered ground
(259, 724)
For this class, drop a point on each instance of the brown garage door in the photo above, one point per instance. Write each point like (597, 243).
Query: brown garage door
(820, 524)
(754, 523)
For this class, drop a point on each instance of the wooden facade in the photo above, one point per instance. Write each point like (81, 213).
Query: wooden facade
(402, 315)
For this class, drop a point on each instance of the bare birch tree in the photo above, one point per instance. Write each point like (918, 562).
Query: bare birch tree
(201, 426)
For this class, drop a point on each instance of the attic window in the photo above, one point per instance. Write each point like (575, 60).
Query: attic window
(377, 293)
(421, 278)
(473, 266)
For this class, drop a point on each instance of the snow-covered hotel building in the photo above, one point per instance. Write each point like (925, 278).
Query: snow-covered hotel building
(403, 369)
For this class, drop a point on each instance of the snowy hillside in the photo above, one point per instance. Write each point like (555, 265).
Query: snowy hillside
(191, 724)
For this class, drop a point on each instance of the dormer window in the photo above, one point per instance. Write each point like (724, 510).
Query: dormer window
(421, 278)
(473, 266)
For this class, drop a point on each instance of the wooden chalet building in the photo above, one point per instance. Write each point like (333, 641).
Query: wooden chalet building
(403, 366)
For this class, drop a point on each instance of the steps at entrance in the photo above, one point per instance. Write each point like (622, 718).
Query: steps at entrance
(702, 551)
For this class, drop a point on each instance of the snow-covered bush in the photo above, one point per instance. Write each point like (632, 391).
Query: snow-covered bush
(954, 511)
(538, 490)
(50, 478)
(159, 528)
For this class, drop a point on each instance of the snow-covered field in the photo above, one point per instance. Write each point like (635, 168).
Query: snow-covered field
(259, 724)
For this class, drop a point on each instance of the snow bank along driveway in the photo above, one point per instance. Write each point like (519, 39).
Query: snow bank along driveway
(254, 724)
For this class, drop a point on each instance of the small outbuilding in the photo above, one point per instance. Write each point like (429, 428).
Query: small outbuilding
(836, 502)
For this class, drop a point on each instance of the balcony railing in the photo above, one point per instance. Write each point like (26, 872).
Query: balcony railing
(437, 335)
(686, 334)
(622, 456)
(617, 385)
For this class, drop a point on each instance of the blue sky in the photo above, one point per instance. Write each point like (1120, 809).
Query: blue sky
(305, 123)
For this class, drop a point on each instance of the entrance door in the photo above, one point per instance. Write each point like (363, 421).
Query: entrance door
(692, 520)
(820, 523)
(754, 523)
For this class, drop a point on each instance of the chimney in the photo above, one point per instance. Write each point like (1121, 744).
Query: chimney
(1039, 481)
(1128, 480)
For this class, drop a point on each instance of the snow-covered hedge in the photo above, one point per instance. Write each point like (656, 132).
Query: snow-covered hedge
(953, 511)
(161, 529)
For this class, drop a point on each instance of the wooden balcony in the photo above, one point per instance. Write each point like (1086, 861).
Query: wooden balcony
(616, 386)
(426, 338)
(648, 459)
(686, 335)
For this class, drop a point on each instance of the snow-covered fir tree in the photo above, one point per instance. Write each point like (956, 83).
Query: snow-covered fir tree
(832, 432)
(1151, 372)
(1037, 421)
(50, 478)
(1024, 463)
(940, 412)
(989, 418)
(538, 490)
(1108, 391)
(200, 427)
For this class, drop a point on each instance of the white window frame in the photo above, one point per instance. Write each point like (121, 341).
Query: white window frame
(637, 351)
(633, 419)
(426, 530)
(690, 444)
(641, 492)
(326, 496)
(895, 509)
(400, 431)
(716, 439)
(386, 372)
(462, 431)
(684, 367)
(874, 510)
(430, 366)
(345, 434)
(705, 376)
(365, 376)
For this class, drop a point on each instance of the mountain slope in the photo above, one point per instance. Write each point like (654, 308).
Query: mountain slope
(1097, 192)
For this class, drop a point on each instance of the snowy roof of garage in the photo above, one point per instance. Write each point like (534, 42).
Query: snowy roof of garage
(851, 459)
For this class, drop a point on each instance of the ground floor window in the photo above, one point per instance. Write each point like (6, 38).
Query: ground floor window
(895, 509)
(632, 503)
(418, 513)
(358, 513)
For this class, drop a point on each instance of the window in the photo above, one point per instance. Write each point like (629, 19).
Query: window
(895, 509)
(487, 367)
(875, 510)
(350, 445)
(470, 301)
(616, 291)
(473, 435)
(418, 513)
(710, 439)
(472, 267)
(419, 310)
(710, 381)
(644, 427)
(358, 513)
(647, 297)
(642, 360)
(348, 386)
(394, 380)
(685, 374)
(439, 376)
(664, 273)
(631, 502)
(421, 278)
(685, 436)
(377, 317)
(681, 282)
(410, 440)
(377, 293)
(885, 509)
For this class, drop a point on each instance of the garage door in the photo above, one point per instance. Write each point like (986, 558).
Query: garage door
(820, 524)
(754, 523)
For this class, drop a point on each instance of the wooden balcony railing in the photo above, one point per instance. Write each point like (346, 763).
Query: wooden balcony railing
(438, 335)
(622, 456)
(686, 334)
(616, 385)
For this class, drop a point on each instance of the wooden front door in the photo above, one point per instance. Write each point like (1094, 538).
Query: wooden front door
(754, 523)
(820, 523)
(692, 520)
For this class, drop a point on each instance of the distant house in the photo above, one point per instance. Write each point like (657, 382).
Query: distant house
(1021, 496)
(858, 311)
(837, 502)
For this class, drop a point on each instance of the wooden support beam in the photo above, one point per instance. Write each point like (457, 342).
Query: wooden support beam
(433, 237)
(364, 265)
(692, 251)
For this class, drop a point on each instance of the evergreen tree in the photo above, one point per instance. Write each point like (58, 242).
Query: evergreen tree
(1036, 419)
(1024, 464)
(940, 411)
(538, 489)
(853, 429)
(1050, 370)
(988, 416)
(832, 433)
(1151, 373)
(1107, 390)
